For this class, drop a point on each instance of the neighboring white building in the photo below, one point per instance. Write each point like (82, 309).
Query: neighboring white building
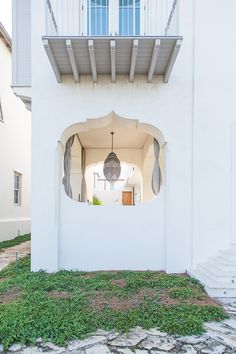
(161, 75)
(15, 137)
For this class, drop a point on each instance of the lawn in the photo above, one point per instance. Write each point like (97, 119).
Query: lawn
(16, 241)
(69, 305)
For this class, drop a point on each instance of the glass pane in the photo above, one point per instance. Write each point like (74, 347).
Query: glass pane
(16, 197)
(98, 17)
(129, 17)
(137, 20)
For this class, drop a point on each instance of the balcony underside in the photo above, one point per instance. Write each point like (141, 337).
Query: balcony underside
(149, 56)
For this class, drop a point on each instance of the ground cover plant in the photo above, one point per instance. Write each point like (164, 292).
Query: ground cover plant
(69, 305)
(16, 241)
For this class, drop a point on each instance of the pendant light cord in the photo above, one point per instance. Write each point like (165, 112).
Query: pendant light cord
(112, 135)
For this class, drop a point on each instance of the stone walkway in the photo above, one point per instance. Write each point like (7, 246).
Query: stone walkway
(220, 338)
(9, 255)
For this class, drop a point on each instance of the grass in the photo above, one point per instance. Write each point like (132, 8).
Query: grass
(69, 305)
(16, 241)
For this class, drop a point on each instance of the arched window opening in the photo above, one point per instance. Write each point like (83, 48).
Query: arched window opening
(140, 157)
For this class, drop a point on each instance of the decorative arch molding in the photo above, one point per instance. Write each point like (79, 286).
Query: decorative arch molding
(109, 119)
(94, 128)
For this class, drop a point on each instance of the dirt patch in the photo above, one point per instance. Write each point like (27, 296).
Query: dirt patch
(2, 279)
(156, 275)
(183, 275)
(117, 304)
(165, 299)
(10, 296)
(89, 276)
(60, 295)
(121, 283)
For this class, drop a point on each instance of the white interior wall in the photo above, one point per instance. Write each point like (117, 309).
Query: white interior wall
(76, 170)
(141, 158)
(112, 198)
(130, 156)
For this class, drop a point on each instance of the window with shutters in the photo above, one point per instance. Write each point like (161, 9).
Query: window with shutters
(17, 188)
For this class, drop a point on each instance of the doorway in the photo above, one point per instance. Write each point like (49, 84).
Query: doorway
(127, 198)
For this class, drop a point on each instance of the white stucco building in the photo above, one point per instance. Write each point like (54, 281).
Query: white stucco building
(15, 140)
(160, 74)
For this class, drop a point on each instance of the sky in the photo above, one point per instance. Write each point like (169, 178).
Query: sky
(5, 15)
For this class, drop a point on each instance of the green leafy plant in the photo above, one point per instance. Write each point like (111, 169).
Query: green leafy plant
(186, 293)
(67, 305)
(96, 201)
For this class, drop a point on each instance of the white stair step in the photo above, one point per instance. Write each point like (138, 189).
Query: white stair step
(230, 254)
(223, 292)
(217, 275)
(233, 246)
(228, 268)
(213, 288)
(225, 261)
(214, 271)
(205, 280)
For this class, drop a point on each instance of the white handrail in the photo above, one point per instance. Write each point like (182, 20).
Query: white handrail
(171, 16)
(50, 16)
(70, 18)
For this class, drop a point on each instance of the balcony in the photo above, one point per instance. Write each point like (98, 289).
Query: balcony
(116, 37)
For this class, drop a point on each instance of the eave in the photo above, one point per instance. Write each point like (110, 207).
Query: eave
(114, 56)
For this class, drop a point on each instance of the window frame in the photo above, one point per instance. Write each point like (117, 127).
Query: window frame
(98, 11)
(114, 19)
(124, 13)
(17, 189)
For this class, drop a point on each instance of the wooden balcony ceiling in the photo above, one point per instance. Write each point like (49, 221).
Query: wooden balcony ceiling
(150, 56)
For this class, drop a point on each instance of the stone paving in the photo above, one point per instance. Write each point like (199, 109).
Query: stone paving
(220, 338)
(9, 255)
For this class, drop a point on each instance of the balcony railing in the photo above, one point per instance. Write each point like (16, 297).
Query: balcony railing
(111, 18)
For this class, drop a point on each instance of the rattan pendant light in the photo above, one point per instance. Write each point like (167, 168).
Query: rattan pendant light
(111, 167)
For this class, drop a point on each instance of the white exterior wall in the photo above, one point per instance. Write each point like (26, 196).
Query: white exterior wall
(190, 218)
(214, 117)
(21, 24)
(15, 138)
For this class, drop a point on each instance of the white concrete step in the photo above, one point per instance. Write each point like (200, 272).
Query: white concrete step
(220, 292)
(229, 254)
(212, 287)
(233, 246)
(205, 280)
(218, 274)
(223, 265)
(225, 261)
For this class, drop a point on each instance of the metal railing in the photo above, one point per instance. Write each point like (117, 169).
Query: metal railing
(73, 18)
(172, 23)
